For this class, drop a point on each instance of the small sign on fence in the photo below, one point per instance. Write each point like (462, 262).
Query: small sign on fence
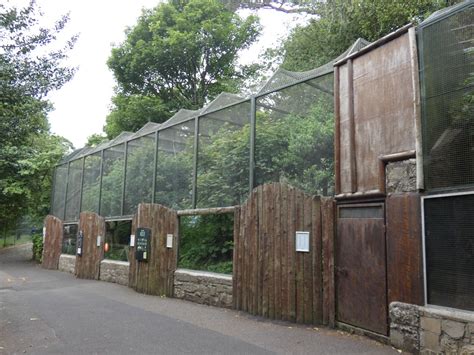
(302, 241)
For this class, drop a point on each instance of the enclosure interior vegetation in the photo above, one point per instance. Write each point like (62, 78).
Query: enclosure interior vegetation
(211, 157)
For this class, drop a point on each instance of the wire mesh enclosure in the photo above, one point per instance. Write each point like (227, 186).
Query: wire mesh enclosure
(211, 157)
(446, 52)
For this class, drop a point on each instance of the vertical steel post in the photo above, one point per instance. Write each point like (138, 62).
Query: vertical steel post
(100, 180)
(195, 162)
(155, 166)
(67, 188)
(53, 192)
(253, 114)
(82, 183)
(124, 180)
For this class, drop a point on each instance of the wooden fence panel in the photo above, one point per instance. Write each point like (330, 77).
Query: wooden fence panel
(156, 275)
(88, 265)
(271, 279)
(52, 242)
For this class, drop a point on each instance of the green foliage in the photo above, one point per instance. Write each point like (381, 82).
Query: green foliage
(178, 55)
(340, 22)
(131, 112)
(95, 139)
(28, 71)
(206, 243)
(37, 247)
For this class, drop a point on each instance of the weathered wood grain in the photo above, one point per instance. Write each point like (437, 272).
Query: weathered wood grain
(52, 242)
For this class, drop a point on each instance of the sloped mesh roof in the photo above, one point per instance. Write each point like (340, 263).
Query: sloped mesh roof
(282, 77)
(181, 116)
(222, 100)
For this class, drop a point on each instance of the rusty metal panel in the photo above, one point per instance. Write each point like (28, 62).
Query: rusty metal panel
(383, 112)
(404, 249)
(361, 288)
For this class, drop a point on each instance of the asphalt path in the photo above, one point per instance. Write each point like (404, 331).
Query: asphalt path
(51, 312)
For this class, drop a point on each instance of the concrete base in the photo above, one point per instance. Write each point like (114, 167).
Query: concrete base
(114, 271)
(67, 263)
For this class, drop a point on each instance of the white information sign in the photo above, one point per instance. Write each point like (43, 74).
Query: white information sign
(99, 240)
(169, 240)
(302, 241)
(132, 240)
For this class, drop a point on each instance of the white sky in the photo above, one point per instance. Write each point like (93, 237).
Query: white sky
(82, 105)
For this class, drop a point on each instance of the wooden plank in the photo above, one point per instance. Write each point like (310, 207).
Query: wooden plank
(261, 245)
(52, 243)
(265, 246)
(241, 285)
(291, 254)
(307, 262)
(284, 252)
(132, 277)
(299, 260)
(404, 249)
(235, 260)
(271, 250)
(253, 232)
(316, 255)
(277, 248)
(246, 261)
(328, 239)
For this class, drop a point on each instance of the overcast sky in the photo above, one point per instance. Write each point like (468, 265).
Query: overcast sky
(82, 104)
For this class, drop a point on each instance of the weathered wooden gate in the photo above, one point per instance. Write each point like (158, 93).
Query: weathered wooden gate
(271, 279)
(361, 273)
(52, 242)
(91, 226)
(156, 275)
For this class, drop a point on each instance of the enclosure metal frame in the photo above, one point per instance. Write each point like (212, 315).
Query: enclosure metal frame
(125, 137)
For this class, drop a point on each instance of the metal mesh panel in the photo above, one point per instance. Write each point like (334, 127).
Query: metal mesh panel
(223, 157)
(69, 239)
(447, 76)
(174, 173)
(224, 99)
(59, 194)
(117, 240)
(73, 198)
(294, 136)
(91, 183)
(449, 243)
(112, 181)
(139, 172)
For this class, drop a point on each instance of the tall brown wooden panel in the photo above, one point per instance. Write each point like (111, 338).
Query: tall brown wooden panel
(404, 249)
(270, 278)
(52, 242)
(88, 265)
(156, 275)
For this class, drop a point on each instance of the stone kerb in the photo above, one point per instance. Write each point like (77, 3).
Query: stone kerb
(203, 287)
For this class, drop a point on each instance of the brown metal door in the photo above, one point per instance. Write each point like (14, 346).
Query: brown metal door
(361, 276)
(88, 264)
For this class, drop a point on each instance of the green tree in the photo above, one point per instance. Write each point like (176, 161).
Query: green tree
(178, 55)
(340, 22)
(29, 69)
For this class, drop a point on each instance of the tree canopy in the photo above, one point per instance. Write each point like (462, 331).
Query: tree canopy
(28, 71)
(179, 55)
(340, 22)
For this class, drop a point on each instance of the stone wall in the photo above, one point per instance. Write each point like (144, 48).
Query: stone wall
(203, 287)
(401, 176)
(67, 263)
(431, 331)
(114, 271)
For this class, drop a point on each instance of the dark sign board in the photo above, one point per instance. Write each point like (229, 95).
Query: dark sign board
(142, 244)
(80, 240)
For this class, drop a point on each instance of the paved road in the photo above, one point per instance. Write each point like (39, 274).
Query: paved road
(50, 312)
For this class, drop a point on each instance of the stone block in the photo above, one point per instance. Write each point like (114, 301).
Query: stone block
(404, 314)
(455, 330)
(401, 176)
(431, 324)
(430, 341)
(467, 350)
(448, 344)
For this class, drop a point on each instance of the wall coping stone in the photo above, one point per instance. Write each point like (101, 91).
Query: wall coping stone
(447, 313)
(115, 262)
(208, 274)
(68, 256)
